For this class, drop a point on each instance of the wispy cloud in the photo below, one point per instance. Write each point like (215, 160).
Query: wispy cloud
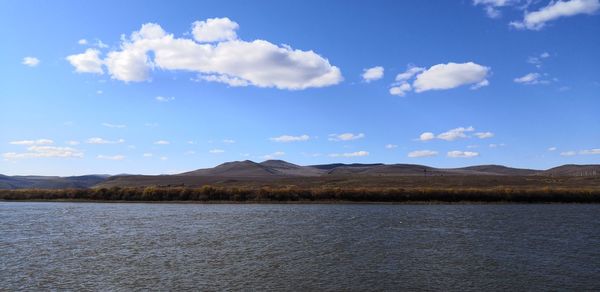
(162, 142)
(216, 151)
(274, 155)
(32, 142)
(537, 20)
(462, 154)
(422, 153)
(345, 137)
(98, 140)
(164, 98)
(31, 61)
(289, 138)
(109, 125)
(111, 157)
(350, 154)
(37, 151)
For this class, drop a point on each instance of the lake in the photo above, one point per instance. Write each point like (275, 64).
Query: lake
(359, 247)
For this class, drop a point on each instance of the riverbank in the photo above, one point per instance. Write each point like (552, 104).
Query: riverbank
(209, 194)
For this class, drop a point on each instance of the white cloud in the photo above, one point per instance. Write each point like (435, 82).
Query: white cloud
(491, 6)
(82, 42)
(536, 20)
(109, 125)
(226, 79)
(274, 155)
(568, 153)
(214, 30)
(32, 142)
(462, 154)
(37, 151)
(97, 140)
(552, 149)
(31, 61)
(345, 137)
(391, 146)
(100, 44)
(426, 136)
(164, 98)
(400, 89)
(162, 142)
(537, 60)
(456, 133)
(595, 151)
(87, 62)
(531, 79)
(147, 155)
(111, 157)
(99, 92)
(73, 142)
(228, 141)
(451, 75)
(484, 135)
(233, 61)
(351, 154)
(216, 151)
(372, 74)
(422, 153)
(288, 138)
(409, 73)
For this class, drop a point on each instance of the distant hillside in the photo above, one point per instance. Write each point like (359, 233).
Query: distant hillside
(50, 182)
(279, 172)
(573, 170)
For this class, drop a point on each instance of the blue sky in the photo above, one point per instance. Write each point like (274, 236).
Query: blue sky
(156, 87)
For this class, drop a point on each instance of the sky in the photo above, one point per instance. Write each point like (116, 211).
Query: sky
(158, 87)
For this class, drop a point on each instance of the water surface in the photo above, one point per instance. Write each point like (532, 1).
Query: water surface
(99, 246)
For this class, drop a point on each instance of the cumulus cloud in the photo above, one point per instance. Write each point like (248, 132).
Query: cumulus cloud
(400, 89)
(111, 157)
(538, 60)
(162, 142)
(32, 142)
(109, 125)
(391, 146)
(552, 149)
(345, 137)
(462, 154)
(37, 151)
(484, 135)
(273, 155)
(214, 30)
(82, 42)
(422, 153)
(218, 55)
(426, 136)
(87, 62)
(456, 133)
(372, 74)
(350, 154)
(536, 20)
(216, 151)
(440, 77)
(97, 140)
(31, 61)
(289, 138)
(451, 75)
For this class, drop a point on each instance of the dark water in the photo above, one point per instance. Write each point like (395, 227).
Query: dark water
(87, 246)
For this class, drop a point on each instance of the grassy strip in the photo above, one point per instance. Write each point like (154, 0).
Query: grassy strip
(265, 194)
